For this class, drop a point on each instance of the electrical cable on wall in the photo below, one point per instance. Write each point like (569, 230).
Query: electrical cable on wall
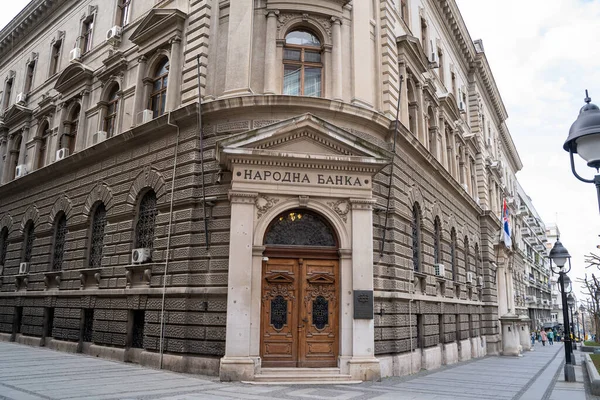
(387, 208)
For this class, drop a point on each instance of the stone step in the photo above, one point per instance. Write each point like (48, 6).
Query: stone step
(301, 376)
(300, 371)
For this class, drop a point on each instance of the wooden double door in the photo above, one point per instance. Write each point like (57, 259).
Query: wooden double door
(299, 312)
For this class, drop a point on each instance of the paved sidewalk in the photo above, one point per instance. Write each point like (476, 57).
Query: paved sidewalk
(30, 373)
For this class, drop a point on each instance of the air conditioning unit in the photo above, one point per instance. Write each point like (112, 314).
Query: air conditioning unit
(145, 116)
(139, 256)
(75, 54)
(480, 281)
(21, 98)
(99, 136)
(113, 34)
(439, 270)
(61, 154)
(20, 171)
(23, 268)
(470, 277)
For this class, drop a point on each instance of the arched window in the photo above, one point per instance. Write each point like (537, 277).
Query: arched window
(300, 228)
(71, 127)
(97, 237)
(158, 97)
(60, 236)
(302, 64)
(3, 245)
(28, 239)
(453, 254)
(437, 239)
(144, 229)
(43, 149)
(416, 236)
(110, 118)
(477, 261)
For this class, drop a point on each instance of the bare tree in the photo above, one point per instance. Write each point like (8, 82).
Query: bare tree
(592, 289)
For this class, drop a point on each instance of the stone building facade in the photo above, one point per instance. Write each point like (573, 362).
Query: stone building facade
(245, 234)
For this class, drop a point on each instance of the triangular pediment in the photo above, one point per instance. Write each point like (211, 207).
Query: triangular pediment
(321, 279)
(279, 279)
(157, 23)
(302, 137)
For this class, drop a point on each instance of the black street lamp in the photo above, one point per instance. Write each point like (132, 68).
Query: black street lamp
(584, 139)
(578, 327)
(558, 258)
(571, 304)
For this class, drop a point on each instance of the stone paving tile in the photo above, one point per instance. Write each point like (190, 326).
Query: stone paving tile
(36, 373)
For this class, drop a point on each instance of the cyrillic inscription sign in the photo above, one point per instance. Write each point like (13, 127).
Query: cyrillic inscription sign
(311, 178)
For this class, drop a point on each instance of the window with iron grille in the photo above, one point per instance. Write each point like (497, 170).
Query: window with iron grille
(3, 245)
(467, 255)
(416, 236)
(88, 324)
(437, 238)
(29, 238)
(60, 236)
(477, 263)
(144, 229)
(453, 253)
(137, 339)
(97, 240)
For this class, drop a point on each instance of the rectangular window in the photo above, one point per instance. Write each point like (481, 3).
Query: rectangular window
(88, 324)
(292, 79)
(420, 331)
(458, 330)
(49, 322)
(86, 35)
(55, 57)
(29, 77)
(137, 339)
(17, 319)
(404, 10)
(7, 93)
(123, 14)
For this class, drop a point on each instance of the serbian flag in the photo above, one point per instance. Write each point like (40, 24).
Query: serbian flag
(505, 234)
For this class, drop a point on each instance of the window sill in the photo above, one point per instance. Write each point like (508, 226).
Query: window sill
(52, 279)
(90, 277)
(138, 275)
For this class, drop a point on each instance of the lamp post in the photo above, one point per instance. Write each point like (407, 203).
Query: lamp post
(578, 327)
(571, 304)
(582, 309)
(584, 139)
(558, 258)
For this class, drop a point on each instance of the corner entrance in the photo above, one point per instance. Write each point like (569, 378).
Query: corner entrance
(300, 292)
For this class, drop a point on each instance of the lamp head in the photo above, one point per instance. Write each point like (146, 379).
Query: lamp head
(570, 300)
(559, 254)
(584, 135)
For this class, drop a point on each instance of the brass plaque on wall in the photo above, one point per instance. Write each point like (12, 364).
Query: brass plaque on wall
(363, 304)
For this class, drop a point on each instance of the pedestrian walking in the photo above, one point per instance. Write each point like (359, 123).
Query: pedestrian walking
(544, 337)
(532, 339)
(550, 335)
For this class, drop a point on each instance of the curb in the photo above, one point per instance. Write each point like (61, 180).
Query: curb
(593, 374)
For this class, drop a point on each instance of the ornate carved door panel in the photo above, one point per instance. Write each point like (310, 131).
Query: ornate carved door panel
(299, 317)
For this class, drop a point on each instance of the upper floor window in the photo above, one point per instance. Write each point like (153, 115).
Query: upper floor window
(158, 97)
(416, 236)
(28, 239)
(467, 255)
(111, 111)
(71, 129)
(3, 245)
(302, 64)
(453, 254)
(404, 10)
(7, 93)
(29, 77)
(97, 239)
(144, 229)
(124, 7)
(437, 238)
(43, 149)
(60, 237)
(87, 30)
(55, 57)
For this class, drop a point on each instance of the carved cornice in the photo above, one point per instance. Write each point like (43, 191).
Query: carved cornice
(242, 197)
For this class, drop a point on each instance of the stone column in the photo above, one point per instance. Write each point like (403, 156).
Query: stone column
(138, 101)
(3, 154)
(271, 53)
(237, 363)
(363, 365)
(239, 51)
(502, 289)
(336, 53)
(404, 110)
(82, 140)
(174, 84)
(23, 149)
(421, 115)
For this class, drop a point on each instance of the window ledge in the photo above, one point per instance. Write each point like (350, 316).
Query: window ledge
(52, 279)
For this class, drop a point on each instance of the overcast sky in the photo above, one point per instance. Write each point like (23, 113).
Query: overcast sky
(543, 54)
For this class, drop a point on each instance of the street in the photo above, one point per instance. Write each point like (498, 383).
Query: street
(28, 373)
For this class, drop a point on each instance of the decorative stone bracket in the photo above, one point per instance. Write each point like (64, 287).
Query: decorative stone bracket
(21, 282)
(90, 277)
(441, 286)
(52, 279)
(137, 275)
(420, 282)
